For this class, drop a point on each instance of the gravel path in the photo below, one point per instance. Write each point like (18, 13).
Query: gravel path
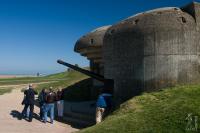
(10, 107)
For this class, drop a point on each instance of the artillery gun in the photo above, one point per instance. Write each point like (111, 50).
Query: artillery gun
(108, 83)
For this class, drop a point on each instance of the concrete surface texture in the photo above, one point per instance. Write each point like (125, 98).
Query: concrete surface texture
(148, 51)
(153, 50)
(90, 45)
(10, 110)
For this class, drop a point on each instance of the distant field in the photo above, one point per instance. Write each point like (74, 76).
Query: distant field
(77, 85)
(64, 80)
(26, 80)
(7, 76)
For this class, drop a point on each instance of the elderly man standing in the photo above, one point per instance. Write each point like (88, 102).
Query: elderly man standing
(50, 99)
(29, 102)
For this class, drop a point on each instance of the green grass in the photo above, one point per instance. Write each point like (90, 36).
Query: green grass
(77, 85)
(5, 90)
(80, 91)
(68, 78)
(25, 80)
(157, 112)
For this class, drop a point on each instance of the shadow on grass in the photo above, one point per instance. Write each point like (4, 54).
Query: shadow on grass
(78, 92)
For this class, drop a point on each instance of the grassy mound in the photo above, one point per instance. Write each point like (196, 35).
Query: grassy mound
(80, 91)
(77, 86)
(63, 80)
(165, 111)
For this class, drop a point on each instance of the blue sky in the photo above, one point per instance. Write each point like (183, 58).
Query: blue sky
(35, 33)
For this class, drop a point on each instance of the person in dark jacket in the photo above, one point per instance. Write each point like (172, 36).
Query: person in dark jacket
(23, 103)
(29, 102)
(50, 99)
(41, 99)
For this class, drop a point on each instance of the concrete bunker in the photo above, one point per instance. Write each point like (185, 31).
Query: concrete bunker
(147, 51)
(152, 50)
(91, 46)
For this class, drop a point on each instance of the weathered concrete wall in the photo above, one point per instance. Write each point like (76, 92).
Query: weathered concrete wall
(194, 10)
(90, 45)
(97, 85)
(197, 14)
(150, 51)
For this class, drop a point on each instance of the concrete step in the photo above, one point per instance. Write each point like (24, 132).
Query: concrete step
(80, 113)
(84, 117)
(79, 123)
(80, 107)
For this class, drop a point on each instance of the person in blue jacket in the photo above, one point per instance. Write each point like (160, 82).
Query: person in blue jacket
(104, 103)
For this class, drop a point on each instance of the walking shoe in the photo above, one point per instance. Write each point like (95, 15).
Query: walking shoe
(43, 121)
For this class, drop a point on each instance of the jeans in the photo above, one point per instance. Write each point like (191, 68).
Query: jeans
(42, 110)
(24, 112)
(49, 108)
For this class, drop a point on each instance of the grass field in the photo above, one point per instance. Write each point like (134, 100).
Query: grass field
(5, 90)
(58, 80)
(76, 85)
(26, 80)
(157, 112)
(164, 111)
(63, 80)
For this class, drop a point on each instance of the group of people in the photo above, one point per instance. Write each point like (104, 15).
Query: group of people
(47, 99)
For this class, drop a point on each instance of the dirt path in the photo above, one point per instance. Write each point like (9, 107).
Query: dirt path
(10, 107)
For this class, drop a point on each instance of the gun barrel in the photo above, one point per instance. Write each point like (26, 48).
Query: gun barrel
(86, 72)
